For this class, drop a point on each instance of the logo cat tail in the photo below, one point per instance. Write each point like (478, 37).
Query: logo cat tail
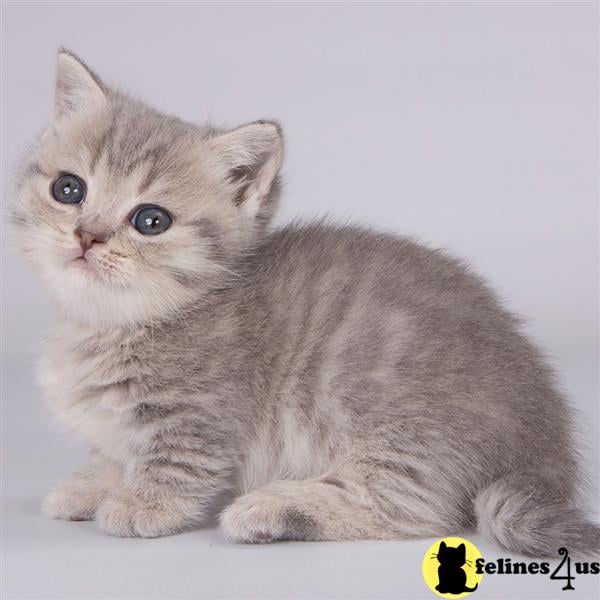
(527, 515)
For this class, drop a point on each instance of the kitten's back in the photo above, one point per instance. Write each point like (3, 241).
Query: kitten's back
(393, 335)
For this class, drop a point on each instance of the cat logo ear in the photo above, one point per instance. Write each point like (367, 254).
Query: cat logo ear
(77, 89)
(442, 545)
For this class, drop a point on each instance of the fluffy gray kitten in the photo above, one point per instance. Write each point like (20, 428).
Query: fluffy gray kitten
(344, 384)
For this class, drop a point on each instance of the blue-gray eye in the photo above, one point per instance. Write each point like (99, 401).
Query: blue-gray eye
(151, 220)
(68, 189)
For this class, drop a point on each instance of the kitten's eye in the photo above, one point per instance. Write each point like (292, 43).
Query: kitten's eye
(151, 220)
(69, 189)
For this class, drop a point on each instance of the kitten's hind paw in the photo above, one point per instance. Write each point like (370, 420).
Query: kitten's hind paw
(258, 519)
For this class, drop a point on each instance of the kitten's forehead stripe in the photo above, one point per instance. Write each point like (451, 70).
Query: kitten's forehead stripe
(155, 157)
(100, 146)
(136, 132)
(136, 137)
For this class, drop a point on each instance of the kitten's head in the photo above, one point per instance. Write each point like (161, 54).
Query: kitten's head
(130, 214)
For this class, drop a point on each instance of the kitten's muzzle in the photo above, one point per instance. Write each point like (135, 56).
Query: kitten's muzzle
(88, 238)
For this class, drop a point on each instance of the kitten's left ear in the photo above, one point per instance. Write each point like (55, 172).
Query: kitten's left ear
(252, 156)
(78, 88)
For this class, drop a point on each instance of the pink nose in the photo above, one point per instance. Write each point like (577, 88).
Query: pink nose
(88, 238)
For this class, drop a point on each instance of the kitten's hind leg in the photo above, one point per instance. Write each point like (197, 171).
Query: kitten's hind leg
(324, 508)
(77, 497)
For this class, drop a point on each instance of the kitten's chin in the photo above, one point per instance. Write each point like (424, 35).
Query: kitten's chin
(85, 298)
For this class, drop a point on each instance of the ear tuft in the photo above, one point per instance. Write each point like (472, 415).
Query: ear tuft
(252, 156)
(78, 88)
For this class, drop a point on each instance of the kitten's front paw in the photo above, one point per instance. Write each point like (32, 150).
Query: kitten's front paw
(129, 516)
(70, 503)
(259, 519)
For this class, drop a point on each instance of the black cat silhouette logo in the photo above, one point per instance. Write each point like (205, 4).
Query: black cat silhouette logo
(453, 579)
(449, 568)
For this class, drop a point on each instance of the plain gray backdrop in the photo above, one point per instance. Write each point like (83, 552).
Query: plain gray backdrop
(473, 126)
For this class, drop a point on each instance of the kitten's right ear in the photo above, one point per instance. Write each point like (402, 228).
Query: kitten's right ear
(78, 88)
(251, 156)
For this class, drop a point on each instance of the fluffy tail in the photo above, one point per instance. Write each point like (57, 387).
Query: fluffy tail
(526, 515)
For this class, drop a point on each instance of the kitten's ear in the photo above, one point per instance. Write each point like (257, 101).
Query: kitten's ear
(462, 550)
(78, 88)
(252, 156)
(442, 546)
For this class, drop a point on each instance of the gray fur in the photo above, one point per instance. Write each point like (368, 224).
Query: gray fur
(344, 383)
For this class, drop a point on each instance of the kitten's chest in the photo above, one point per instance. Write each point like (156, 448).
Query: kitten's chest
(89, 384)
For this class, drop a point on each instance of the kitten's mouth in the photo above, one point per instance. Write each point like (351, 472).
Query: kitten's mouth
(82, 263)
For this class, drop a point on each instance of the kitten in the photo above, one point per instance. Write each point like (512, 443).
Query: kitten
(345, 384)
